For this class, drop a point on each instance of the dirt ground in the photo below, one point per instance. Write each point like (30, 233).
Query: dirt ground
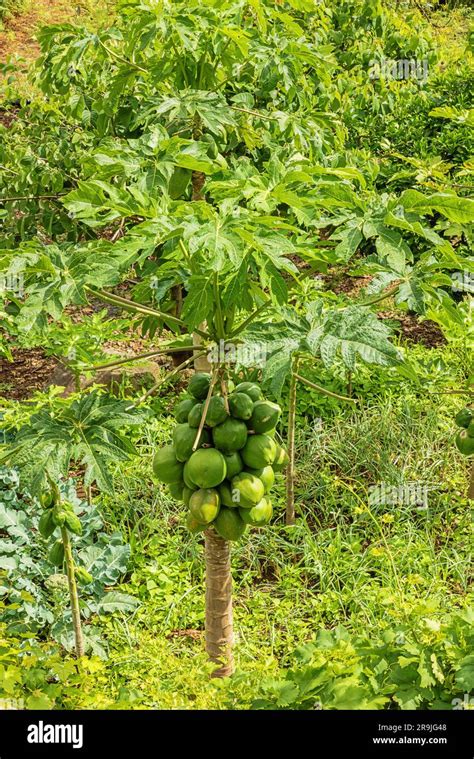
(18, 37)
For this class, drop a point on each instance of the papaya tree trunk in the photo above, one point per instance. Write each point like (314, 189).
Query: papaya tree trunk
(290, 472)
(470, 492)
(74, 597)
(201, 364)
(219, 618)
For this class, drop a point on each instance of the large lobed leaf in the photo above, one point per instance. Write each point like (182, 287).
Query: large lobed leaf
(89, 432)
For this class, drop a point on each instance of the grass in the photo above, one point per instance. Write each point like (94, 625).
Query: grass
(367, 566)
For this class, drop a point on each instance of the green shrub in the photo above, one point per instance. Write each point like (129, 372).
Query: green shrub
(426, 663)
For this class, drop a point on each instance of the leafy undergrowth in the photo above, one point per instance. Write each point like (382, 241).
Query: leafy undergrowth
(372, 596)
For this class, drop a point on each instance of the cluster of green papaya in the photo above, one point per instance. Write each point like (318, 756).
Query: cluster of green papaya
(465, 436)
(223, 470)
(60, 514)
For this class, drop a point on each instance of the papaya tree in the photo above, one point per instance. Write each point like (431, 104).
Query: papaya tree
(88, 432)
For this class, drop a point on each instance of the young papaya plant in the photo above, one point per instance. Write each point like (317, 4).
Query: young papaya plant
(60, 513)
(88, 432)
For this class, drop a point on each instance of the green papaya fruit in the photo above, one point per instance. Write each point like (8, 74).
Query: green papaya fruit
(230, 436)
(194, 416)
(259, 514)
(207, 468)
(234, 464)
(59, 515)
(175, 489)
(182, 410)
(166, 466)
(193, 525)
(247, 490)
(187, 479)
(226, 495)
(241, 406)
(73, 523)
(46, 524)
(464, 417)
(187, 493)
(251, 389)
(265, 416)
(47, 500)
(183, 441)
(83, 576)
(465, 443)
(281, 459)
(259, 451)
(199, 385)
(229, 525)
(266, 475)
(216, 411)
(204, 505)
(56, 554)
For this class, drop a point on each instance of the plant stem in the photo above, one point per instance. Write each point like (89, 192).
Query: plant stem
(254, 113)
(470, 492)
(117, 300)
(126, 303)
(71, 578)
(290, 472)
(139, 356)
(186, 253)
(201, 363)
(379, 298)
(349, 383)
(323, 390)
(225, 394)
(118, 57)
(33, 197)
(217, 298)
(219, 618)
(250, 319)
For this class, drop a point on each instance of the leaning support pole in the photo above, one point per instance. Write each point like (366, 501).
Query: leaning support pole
(290, 472)
(219, 617)
(470, 492)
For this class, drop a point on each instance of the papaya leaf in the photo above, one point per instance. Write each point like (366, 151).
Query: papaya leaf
(352, 332)
(88, 432)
